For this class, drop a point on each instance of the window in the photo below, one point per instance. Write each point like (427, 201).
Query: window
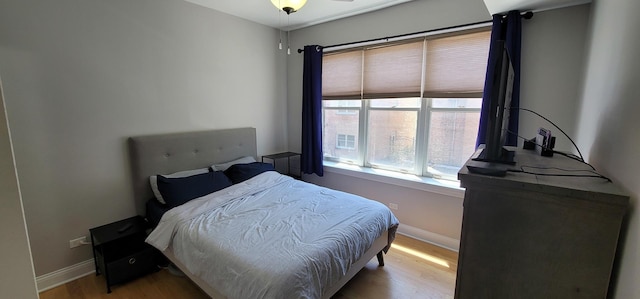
(346, 141)
(410, 106)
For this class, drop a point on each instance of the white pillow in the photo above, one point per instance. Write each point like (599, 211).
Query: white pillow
(224, 166)
(153, 180)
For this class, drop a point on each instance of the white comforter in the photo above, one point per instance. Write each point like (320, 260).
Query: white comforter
(272, 236)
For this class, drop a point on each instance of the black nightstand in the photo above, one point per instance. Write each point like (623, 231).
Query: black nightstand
(288, 156)
(120, 252)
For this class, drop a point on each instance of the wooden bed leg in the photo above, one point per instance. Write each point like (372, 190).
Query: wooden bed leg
(380, 259)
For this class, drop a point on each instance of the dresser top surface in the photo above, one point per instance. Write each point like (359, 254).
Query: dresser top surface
(557, 174)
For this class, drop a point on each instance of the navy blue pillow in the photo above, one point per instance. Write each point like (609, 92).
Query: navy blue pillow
(242, 172)
(177, 191)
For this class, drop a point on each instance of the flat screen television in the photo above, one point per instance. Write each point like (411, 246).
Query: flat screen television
(500, 105)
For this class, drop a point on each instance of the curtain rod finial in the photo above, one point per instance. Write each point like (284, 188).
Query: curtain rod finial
(527, 15)
(300, 50)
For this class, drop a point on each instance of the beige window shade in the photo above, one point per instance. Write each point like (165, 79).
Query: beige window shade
(457, 64)
(342, 75)
(393, 71)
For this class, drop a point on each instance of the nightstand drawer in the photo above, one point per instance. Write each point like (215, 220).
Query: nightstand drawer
(132, 266)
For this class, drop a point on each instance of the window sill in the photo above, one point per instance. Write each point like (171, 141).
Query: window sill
(443, 187)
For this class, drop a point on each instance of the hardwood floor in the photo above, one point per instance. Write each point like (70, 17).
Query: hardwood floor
(413, 269)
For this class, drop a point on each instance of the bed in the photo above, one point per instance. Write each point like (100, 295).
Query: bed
(264, 236)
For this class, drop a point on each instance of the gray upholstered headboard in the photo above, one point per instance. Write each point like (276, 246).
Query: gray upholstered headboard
(168, 153)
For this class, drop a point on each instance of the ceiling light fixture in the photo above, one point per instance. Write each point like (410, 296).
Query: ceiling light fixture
(289, 6)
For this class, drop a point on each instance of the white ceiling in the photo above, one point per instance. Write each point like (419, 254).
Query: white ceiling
(314, 12)
(320, 11)
(501, 6)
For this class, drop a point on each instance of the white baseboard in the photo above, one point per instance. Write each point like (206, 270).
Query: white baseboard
(429, 237)
(64, 275)
(73, 272)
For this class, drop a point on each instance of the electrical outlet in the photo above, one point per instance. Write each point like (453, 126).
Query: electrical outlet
(78, 242)
(393, 206)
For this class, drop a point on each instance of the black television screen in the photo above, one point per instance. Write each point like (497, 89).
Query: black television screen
(500, 105)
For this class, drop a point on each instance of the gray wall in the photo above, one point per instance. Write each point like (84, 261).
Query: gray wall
(608, 126)
(80, 76)
(552, 59)
(16, 274)
(553, 53)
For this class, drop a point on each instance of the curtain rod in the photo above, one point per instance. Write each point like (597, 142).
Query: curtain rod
(527, 15)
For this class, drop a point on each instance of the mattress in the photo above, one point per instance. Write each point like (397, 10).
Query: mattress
(272, 236)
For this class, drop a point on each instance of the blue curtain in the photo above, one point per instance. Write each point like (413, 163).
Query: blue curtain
(508, 28)
(311, 159)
